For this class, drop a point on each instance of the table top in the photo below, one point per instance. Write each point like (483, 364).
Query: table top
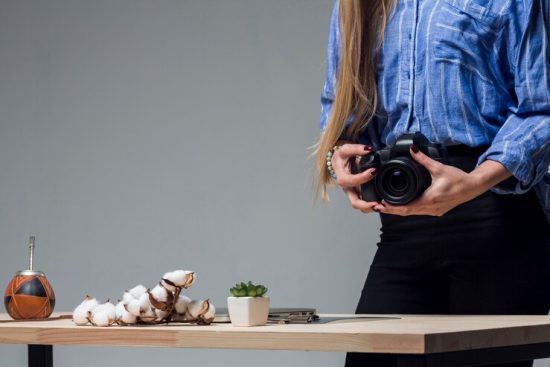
(414, 334)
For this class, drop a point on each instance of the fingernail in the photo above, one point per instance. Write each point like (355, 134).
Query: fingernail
(374, 171)
(368, 147)
(414, 148)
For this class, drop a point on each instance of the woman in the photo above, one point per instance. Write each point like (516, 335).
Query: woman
(472, 75)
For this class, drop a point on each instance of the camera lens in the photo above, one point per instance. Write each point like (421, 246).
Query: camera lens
(397, 181)
(401, 180)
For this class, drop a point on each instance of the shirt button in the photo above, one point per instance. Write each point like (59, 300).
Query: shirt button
(410, 36)
(408, 74)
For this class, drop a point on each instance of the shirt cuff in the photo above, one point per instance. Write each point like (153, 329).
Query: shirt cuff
(522, 178)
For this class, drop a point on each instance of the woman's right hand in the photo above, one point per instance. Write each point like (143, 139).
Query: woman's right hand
(342, 160)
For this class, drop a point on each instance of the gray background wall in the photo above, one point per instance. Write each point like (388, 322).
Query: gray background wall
(138, 137)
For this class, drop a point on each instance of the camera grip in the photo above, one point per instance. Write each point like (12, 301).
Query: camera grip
(368, 189)
(368, 192)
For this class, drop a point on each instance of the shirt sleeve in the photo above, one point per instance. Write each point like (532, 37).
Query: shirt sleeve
(327, 97)
(522, 144)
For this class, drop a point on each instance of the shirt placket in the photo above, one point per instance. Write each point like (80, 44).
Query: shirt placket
(408, 28)
(412, 122)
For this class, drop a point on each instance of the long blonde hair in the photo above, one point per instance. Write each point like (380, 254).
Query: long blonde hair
(362, 24)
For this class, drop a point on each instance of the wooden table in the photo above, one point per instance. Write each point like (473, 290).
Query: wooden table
(417, 340)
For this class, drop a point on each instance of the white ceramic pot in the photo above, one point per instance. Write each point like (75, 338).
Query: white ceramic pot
(248, 311)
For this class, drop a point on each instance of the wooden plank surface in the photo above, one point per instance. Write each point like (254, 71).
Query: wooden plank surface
(406, 334)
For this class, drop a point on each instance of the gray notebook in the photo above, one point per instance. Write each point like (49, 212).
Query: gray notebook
(282, 315)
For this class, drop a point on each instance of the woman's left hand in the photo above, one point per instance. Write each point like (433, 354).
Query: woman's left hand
(450, 187)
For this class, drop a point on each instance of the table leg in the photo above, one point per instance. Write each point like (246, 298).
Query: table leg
(40, 355)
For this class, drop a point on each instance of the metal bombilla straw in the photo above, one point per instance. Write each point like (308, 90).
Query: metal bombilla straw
(30, 270)
(31, 252)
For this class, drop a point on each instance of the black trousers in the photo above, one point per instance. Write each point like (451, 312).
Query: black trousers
(487, 256)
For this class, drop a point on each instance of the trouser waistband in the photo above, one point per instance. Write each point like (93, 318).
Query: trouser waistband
(465, 150)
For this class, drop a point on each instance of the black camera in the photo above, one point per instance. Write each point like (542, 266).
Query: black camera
(400, 179)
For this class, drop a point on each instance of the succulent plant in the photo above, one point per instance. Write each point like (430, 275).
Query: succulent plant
(248, 290)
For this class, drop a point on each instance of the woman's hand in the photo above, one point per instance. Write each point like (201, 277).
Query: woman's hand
(450, 186)
(342, 160)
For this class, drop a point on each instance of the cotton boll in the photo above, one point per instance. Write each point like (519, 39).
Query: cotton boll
(89, 303)
(137, 306)
(137, 291)
(127, 297)
(160, 298)
(108, 308)
(128, 318)
(134, 294)
(210, 313)
(201, 311)
(168, 276)
(181, 304)
(144, 301)
(103, 314)
(179, 278)
(80, 315)
(160, 293)
(195, 309)
(122, 315)
(120, 310)
(168, 285)
(100, 319)
(148, 315)
(159, 314)
(134, 307)
(183, 278)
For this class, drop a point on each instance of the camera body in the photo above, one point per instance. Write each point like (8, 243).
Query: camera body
(400, 179)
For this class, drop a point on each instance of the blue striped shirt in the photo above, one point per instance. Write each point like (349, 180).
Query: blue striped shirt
(465, 71)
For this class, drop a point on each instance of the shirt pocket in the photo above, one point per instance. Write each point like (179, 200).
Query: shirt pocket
(465, 34)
